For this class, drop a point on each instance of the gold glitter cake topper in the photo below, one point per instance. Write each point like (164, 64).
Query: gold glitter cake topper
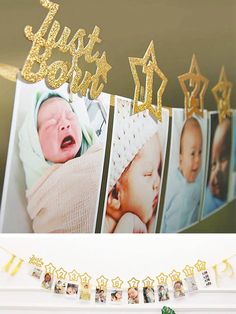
(194, 86)
(85, 279)
(149, 68)
(59, 72)
(222, 92)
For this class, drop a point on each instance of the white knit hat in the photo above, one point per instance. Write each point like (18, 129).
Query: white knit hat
(131, 133)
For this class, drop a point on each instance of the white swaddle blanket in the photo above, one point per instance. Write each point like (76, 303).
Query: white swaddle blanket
(65, 198)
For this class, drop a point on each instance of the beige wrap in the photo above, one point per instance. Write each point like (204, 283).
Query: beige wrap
(65, 198)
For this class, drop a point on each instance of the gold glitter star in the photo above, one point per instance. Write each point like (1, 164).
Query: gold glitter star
(148, 282)
(162, 279)
(102, 281)
(149, 67)
(191, 83)
(37, 261)
(50, 268)
(200, 265)
(174, 275)
(188, 271)
(103, 67)
(73, 275)
(133, 282)
(61, 273)
(85, 278)
(222, 92)
(117, 283)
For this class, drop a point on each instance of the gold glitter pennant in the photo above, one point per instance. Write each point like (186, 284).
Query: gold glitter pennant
(8, 72)
(37, 261)
(133, 282)
(174, 275)
(73, 275)
(162, 279)
(61, 273)
(188, 271)
(148, 282)
(200, 265)
(149, 68)
(50, 268)
(59, 72)
(102, 281)
(117, 283)
(222, 92)
(194, 86)
(85, 279)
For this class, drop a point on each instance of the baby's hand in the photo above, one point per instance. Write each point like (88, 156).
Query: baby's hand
(130, 223)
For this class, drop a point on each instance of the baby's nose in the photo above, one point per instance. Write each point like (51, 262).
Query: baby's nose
(64, 125)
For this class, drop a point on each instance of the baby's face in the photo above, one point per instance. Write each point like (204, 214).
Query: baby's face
(59, 131)
(133, 293)
(218, 181)
(191, 153)
(71, 291)
(140, 184)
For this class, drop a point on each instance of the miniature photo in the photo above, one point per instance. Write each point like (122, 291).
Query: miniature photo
(36, 272)
(217, 183)
(191, 284)
(163, 293)
(148, 295)
(135, 170)
(186, 171)
(233, 158)
(133, 295)
(60, 287)
(55, 162)
(72, 289)
(47, 281)
(85, 292)
(178, 289)
(116, 296)
(101, 295)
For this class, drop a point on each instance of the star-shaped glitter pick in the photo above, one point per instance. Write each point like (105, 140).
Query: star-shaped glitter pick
(50, 268)
(117, 283)
(162, 279)
(85, 278)
(102, 281)
(194, 86)
(73, 275)
(61, 273)
(188, 271)
(37, 261)
(174, 276)
(133, 282)
(200, 265)
(149, 68)
(222, 92)
(148, 282)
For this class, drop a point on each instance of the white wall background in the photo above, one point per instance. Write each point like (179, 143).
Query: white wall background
(122, 255)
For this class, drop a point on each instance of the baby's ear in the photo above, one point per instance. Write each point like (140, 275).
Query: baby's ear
(113, 200)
